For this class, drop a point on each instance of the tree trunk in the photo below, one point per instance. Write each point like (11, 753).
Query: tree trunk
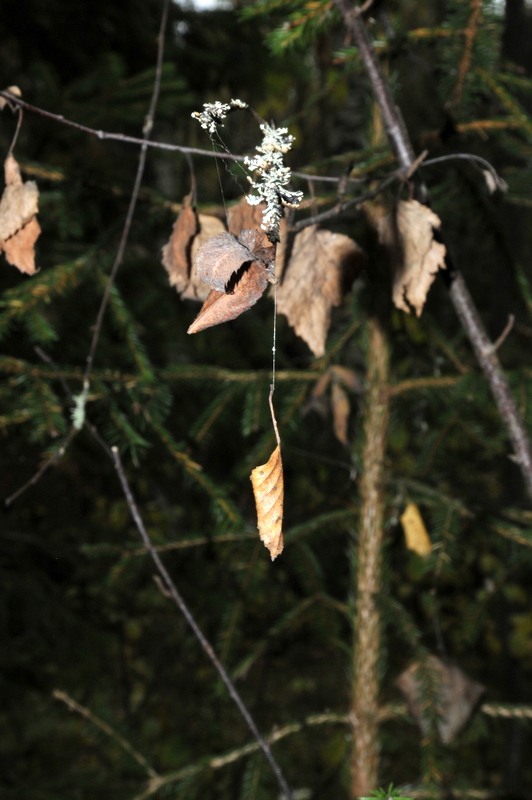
(365, 689)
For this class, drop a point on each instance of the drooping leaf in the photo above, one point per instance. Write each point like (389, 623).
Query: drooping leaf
(222, 307)
(416, 536)
(19, 228)
(415, 255)
(176, 252)
(321, 267)
(268, 488)
(341, 409)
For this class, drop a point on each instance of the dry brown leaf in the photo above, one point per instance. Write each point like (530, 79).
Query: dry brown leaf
(268, 488)
(221, 307)
(20, 201)
(321, 267)
(457, 696)
(341, 409)
(415, 254)
(19, 228)
(209, 226)
(14, 90)
(416, 536)
(242, 215)
(222, 256)
(176, 253)
(349, 378)
(19, 248)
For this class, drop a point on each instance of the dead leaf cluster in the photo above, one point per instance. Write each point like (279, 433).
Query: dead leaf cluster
(201, 254)
(19, 228)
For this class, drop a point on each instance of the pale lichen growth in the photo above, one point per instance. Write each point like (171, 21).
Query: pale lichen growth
(273, 178)
(213, 114)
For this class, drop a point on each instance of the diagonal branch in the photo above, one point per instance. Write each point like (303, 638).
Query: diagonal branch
(180, 603)
(458, 291)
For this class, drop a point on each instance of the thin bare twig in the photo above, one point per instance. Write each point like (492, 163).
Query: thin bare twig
(40, 472)
(504, 335)
(180, 603)
(458, 291)
(86, 713)
(148, 125)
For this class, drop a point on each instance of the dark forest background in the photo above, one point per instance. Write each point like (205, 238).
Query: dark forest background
(79, 610)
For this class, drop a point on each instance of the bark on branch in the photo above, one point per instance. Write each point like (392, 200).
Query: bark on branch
(458, 291)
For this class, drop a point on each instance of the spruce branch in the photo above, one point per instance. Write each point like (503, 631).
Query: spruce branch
(87, 714)
(458, 291)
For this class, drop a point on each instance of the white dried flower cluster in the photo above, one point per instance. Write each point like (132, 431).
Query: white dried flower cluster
(214, 113)
(273, 177)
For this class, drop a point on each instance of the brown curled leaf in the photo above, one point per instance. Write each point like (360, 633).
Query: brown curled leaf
(322, 267)
(416, 256)
(19, 248)
(341, 409)
(19, 228)
(268, 489)
(222, 307)
(223, 255)
(244, 216)
(176, 252)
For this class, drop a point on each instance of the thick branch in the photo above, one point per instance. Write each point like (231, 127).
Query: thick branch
(460, 297)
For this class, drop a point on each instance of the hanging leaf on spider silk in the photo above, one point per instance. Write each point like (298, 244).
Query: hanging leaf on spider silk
(243, 216)
(19, 228)
(268, 488)
(238, 271)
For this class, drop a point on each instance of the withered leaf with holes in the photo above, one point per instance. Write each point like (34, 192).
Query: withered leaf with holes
(457, 695)
(19, 228)
(321, 267)
(238, 270)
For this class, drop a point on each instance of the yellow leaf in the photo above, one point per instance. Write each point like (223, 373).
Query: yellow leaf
(268, 488)
(416, 536)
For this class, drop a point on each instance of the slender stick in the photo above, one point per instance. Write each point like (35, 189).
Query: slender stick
(180, 603)
(458, 291)
(148, 125)
(103, 726)
(40, 472)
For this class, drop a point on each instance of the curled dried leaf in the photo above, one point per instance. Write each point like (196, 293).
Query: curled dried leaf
(176, 252)
(19, 228)
(223, 255)
(222, 307)
(416, 255)
(268, 489)
(416, 536)
(14, 90)
(341, 409)
(322, 266)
